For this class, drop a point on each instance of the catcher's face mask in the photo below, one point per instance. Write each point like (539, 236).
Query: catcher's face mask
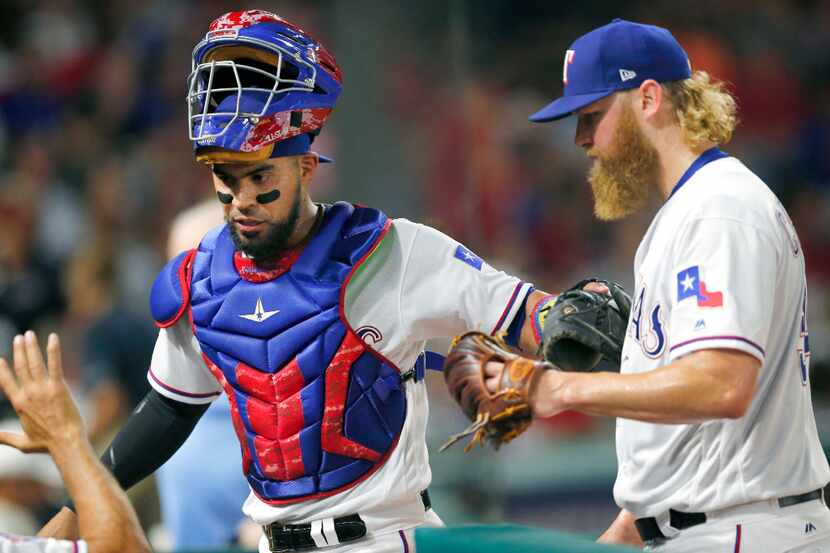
(257, 79)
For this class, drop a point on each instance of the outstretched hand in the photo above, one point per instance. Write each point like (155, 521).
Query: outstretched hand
(39, 395)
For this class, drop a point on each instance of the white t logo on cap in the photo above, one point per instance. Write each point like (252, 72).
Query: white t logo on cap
(569, 59)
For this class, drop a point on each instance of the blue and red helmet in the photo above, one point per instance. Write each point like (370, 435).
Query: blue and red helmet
(258, 80)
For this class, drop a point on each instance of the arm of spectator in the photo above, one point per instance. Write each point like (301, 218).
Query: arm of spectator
(51, 422)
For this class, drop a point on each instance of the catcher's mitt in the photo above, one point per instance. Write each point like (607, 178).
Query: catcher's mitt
(583, 327)
(497, 417)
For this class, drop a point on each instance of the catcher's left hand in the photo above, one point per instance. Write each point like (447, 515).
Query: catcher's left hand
(499, 416)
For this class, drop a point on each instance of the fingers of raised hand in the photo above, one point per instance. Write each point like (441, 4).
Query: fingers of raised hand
(8, 383)
(37, 367)
(21, 364)
(53, 355)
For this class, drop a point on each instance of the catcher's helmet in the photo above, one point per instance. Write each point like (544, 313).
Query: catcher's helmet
(256, 80)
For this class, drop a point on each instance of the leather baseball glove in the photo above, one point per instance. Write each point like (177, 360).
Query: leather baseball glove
(584, 327)
(499, 417)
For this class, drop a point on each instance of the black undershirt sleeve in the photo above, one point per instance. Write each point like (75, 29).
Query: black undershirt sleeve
(156, 429)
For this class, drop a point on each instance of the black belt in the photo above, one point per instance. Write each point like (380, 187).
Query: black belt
(649, 530)
(284, 538)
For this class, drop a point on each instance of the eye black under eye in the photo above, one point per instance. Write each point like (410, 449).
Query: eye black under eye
(268, 197)
(224, 198)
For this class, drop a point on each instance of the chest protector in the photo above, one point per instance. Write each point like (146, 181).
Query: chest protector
(315, 409)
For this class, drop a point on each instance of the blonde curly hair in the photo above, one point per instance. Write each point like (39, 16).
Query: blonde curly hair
(704, 108)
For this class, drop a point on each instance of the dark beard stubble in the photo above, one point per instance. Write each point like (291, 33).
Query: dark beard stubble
(273, 239)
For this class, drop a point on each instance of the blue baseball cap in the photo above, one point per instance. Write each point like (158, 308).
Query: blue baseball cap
(297, 145)
(617, 56)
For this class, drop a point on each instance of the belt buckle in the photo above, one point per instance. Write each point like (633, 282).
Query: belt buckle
(274, 530)
(664, 523)
(287, 538)
(268, 530)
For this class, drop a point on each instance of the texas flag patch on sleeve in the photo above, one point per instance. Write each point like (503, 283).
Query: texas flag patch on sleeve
(468, 257)
(689, 285)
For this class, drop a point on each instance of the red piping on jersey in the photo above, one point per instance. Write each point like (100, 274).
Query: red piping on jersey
(176, 390)
(184, 281)
(738, 539)
(508, 307)
(738, 338)
(345, 285)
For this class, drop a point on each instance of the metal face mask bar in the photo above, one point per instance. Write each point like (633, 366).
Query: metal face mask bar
(219, 76)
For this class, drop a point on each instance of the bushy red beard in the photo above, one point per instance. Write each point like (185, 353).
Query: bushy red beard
(622, 179)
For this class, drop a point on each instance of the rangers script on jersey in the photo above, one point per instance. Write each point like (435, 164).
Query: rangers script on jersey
(721, 267)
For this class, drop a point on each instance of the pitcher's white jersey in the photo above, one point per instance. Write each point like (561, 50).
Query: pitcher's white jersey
(419, 284)
(721, 267)
(23, 544)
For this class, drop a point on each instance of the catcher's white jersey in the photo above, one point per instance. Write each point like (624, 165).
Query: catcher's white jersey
(419, 284)
(721, 267)
(23, 544)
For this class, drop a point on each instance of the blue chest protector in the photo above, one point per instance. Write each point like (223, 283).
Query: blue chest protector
(315, 409)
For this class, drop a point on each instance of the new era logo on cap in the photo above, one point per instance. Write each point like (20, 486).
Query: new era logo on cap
(617, 56)
(627, 75)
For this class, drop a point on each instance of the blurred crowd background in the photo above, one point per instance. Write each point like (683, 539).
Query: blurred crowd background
(432, 125)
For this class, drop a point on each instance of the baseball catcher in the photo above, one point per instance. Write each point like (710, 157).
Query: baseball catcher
(579, 328)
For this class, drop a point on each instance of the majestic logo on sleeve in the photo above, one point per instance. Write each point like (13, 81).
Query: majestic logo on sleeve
(647, 331)
(468, 257)
(260, 314)
(689, 285)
